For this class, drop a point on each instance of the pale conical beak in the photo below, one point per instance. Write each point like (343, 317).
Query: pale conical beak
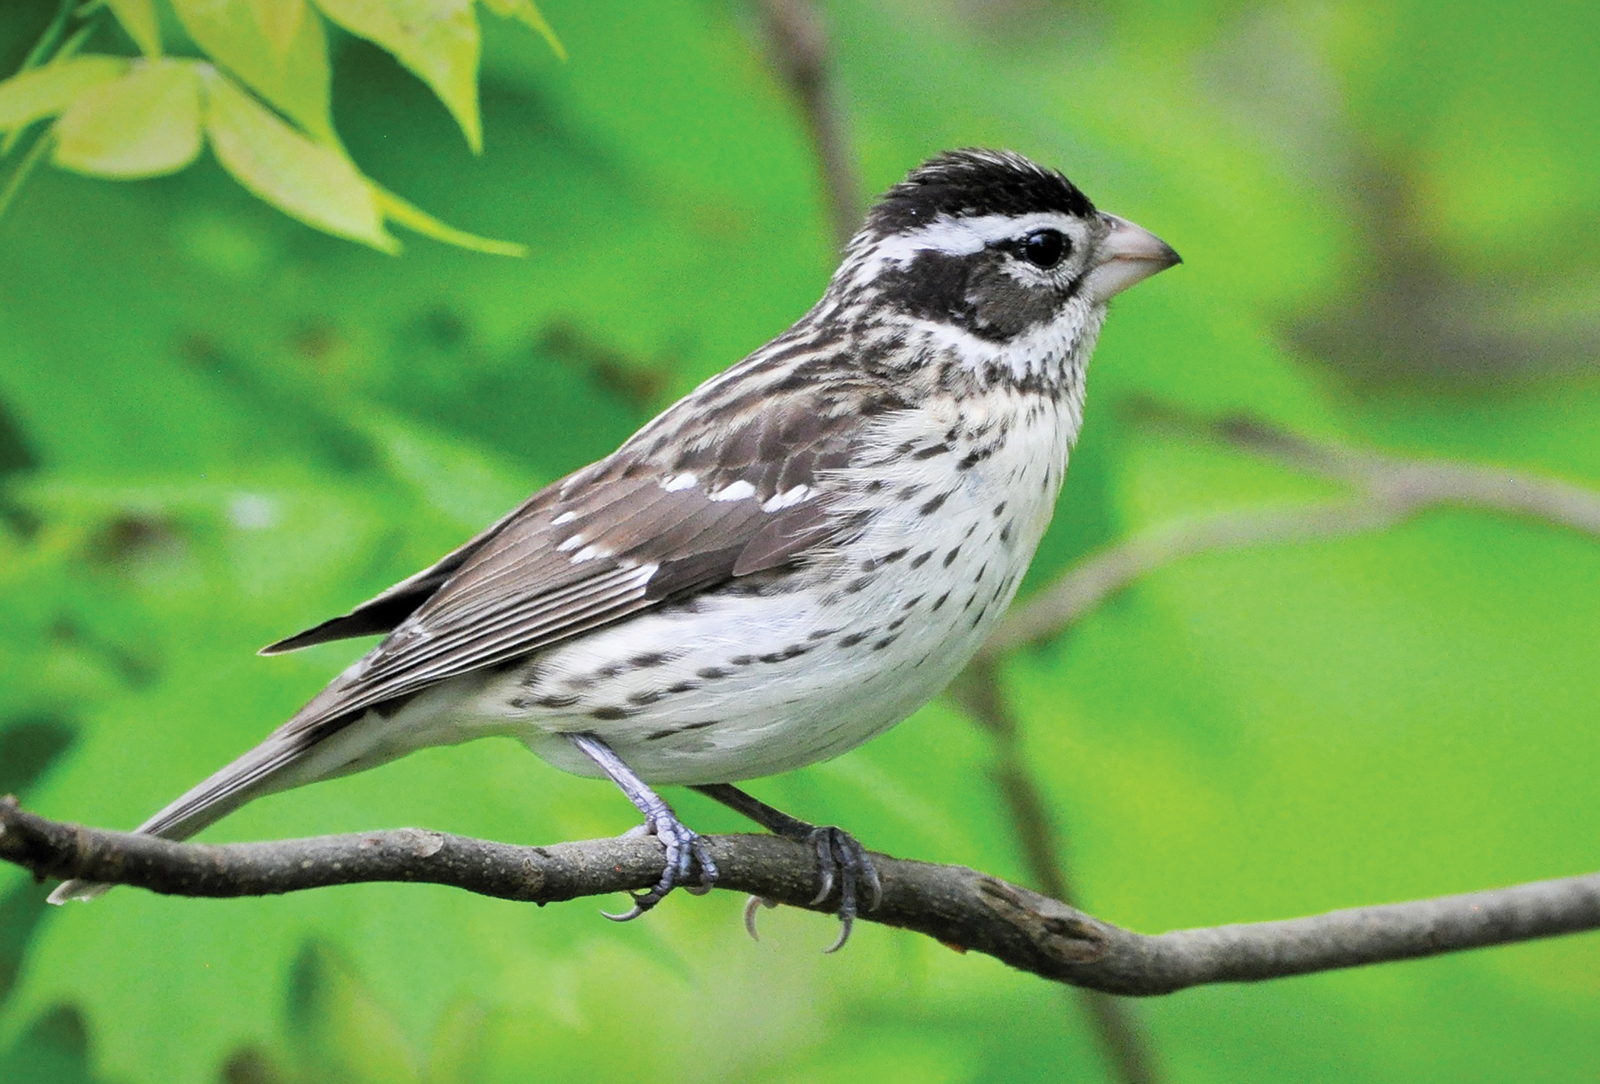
(1128, 255)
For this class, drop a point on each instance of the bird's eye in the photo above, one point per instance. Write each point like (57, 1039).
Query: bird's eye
(1044, 248)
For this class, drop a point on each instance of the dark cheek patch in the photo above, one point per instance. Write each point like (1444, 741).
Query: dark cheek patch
(1006, 307)
(931, 285)
(973, 292)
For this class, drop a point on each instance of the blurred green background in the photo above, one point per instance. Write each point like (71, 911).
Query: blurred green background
(218, 426)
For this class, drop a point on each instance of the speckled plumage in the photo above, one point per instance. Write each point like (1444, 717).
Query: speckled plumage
(788, 561)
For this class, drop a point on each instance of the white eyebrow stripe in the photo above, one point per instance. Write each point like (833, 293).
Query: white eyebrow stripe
(964, 236)
(736, 490)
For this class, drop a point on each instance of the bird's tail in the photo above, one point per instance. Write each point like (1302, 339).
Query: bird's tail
(258, 772)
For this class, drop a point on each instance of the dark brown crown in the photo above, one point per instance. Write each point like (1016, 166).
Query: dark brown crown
(972, 182)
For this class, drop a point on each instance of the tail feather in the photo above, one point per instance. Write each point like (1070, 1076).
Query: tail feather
(258, 772)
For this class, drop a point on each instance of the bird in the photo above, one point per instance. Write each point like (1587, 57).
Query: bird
(783, 564)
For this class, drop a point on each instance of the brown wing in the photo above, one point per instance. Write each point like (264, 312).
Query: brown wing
(384, 611)
(611, 540)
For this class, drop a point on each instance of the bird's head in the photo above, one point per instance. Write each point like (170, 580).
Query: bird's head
(990, 244)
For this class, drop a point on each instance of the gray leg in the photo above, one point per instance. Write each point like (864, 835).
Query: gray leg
(683, 846)
(839, 856)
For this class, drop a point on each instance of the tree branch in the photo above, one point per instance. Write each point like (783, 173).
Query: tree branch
(798, 44)
(1388, 491)
(958, 906)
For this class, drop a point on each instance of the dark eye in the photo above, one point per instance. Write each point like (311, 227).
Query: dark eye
(1044, 248)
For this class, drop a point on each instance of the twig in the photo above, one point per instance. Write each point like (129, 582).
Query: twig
(958, 906)
(1085, 586)
(1410, 485)
(1389, 490)
(1121, 1035)
(799, 48)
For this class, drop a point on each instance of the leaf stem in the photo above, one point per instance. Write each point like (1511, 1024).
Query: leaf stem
(19, 176)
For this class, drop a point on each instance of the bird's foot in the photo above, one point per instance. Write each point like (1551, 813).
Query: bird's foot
(684, 849)
(843, 860)
(843, 863)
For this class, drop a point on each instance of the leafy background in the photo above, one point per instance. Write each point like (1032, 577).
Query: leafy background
(218, 426)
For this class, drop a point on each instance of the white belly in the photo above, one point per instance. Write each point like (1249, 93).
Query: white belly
(733, 686)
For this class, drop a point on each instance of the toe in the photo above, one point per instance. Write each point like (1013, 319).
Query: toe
(708, 865)
(827, 863)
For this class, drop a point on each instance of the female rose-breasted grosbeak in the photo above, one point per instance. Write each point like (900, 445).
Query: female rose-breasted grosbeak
(783, 564)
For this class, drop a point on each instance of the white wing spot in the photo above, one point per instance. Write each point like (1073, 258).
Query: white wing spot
(571, 543)
(589, 553)
(789, 497)
(565, 517)
(734, 491)
(679, 481)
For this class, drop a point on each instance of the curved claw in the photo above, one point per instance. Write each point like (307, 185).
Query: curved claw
(628, 916)
(870, 878)
(846, 924)
(684, 848)
(750, 906)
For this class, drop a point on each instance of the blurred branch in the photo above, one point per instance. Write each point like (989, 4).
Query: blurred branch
(1121, 1035)
(798, 44)
(960, 907)
(1389, 490)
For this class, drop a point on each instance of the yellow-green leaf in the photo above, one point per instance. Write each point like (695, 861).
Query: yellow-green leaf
(436, 39)
(138, 18)
(528, 13)
(311, 181)
(415, 218)
(145, 124)
(295, 79)
(279, 21)
(44, 92)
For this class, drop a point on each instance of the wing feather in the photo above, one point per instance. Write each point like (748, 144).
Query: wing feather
(608, 541)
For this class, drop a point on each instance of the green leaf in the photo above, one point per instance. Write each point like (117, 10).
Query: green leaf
(282, 57)
(416, 218)
(139, 19)
(44, 92)
(311, 181)
(143, 125)
(436, 39)
(279, 21)
(528, 13)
